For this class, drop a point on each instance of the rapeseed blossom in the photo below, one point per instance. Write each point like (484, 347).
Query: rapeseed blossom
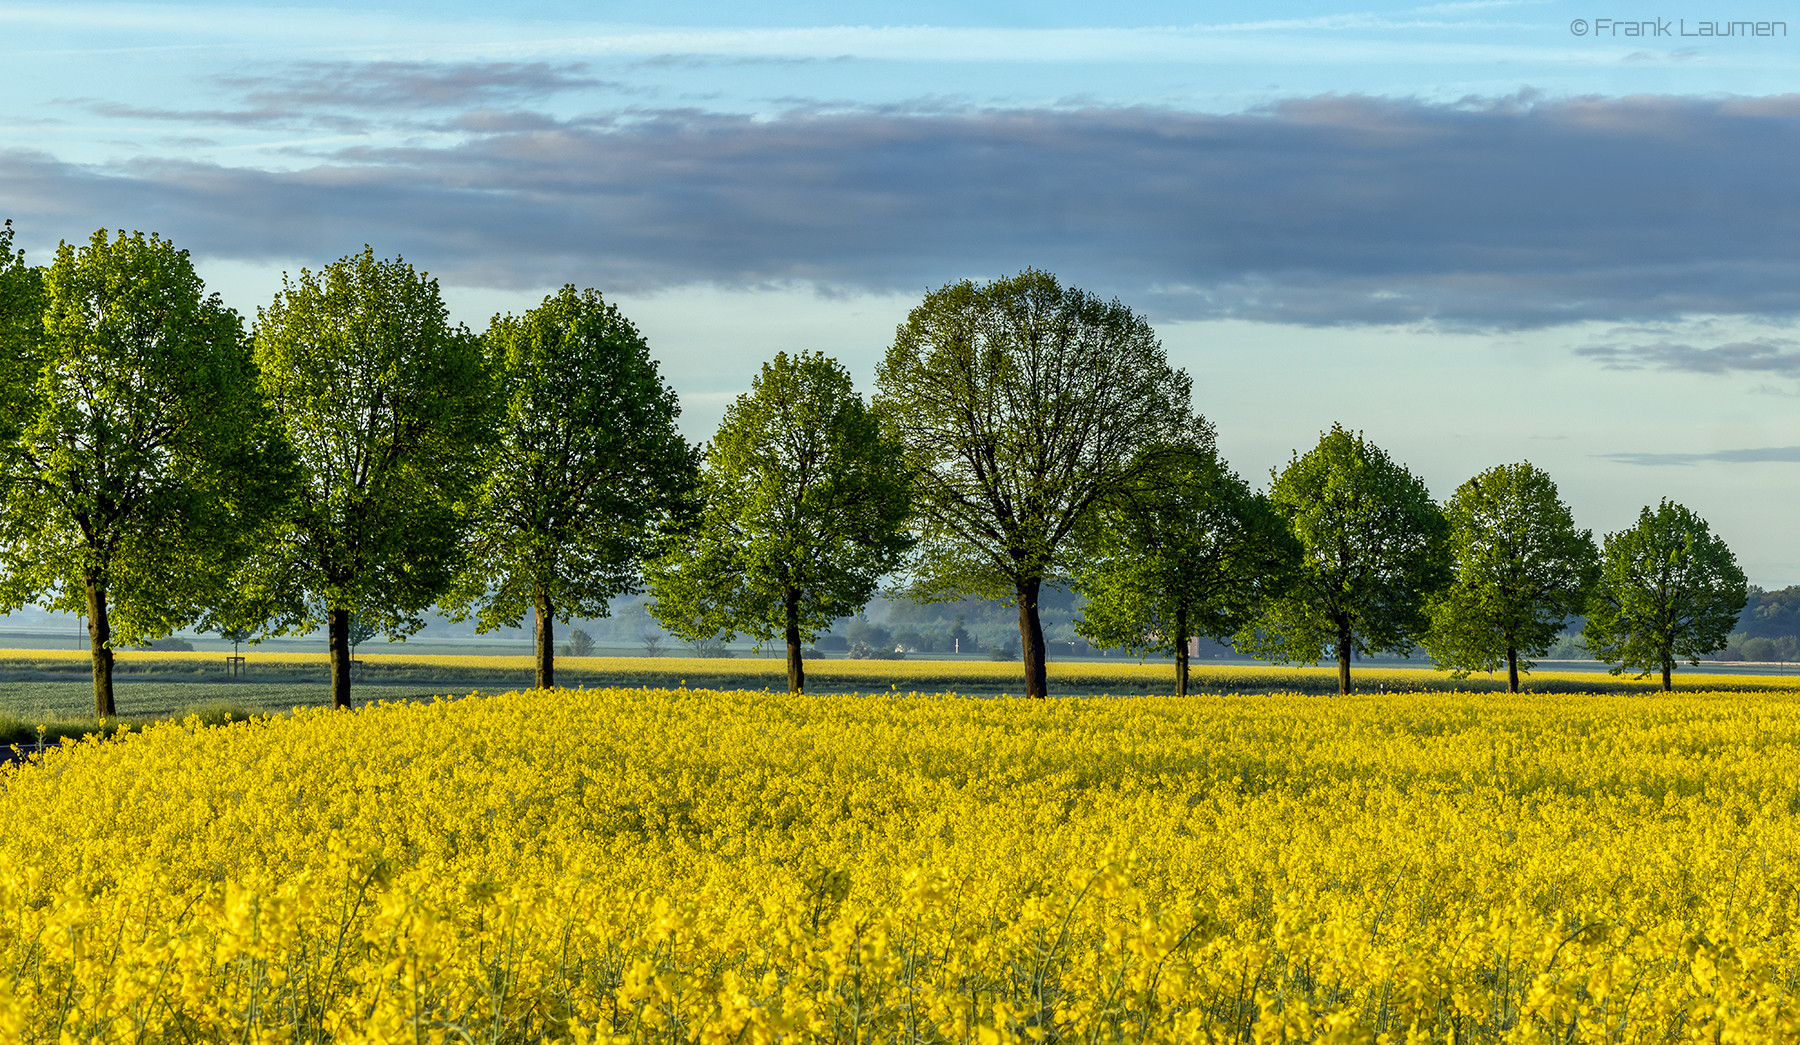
(696, 866)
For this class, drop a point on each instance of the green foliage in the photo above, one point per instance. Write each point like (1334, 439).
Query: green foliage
(1020, 404)
(1373, 549)
(1764, 650)
(1669, 589)
(586, 465)
(805, 506)
(1521, 570)
(1184, 549)
(387, 407)
(141, 463)
(1771, 614)
(21, 333)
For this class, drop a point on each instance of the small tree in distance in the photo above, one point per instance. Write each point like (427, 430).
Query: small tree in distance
(1669, 589)
(805, 507)
(1184, 549)
(1521, 570)
(587, 465)
(1372, 551)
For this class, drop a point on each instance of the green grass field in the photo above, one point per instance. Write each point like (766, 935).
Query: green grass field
(53, 688)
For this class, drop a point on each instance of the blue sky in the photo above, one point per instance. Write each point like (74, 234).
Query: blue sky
(1466, 229)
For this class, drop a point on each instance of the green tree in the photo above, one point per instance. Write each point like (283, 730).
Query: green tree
(140, 460)
(587, 463)
(1669, 588)
(1021, 403)
(387, 407)
(806, 500)
(1373, 549)
(21, 333)
(1185, 549)
(1522, 570)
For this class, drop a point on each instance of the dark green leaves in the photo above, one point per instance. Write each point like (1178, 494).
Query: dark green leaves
(1372, 548)
(387, 408)
(140, 462)
(1020, 402)
(585, 466)
(1184, 549)
(806, 500)
(1521, 570)
(1669, 589)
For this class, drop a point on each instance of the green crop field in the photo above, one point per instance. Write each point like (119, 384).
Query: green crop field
(52, 688)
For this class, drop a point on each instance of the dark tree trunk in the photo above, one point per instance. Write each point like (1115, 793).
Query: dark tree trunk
(1031, 640)
(1181, 651)
(796, 670)
(1343, 654)
(546, 641)
(1512, 670)
(100, 642)
(337, 632)
(1668, 683)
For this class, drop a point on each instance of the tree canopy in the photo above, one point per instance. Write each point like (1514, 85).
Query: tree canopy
(140, 463)
(388, 409)
(1020, 404)
(1669, 589)
(1183, 549)
(805, 503)
(586, 465)
(1373, 549)
(1521, 570)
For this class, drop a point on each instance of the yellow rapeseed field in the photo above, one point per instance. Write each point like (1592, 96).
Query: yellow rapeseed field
(687, 865)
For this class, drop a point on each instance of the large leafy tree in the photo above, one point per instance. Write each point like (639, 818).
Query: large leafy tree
(1373, 550)
(1669, 589)
(806, 500)
(1021, 403)
(388, 409)
(1184, 549)
(140, 461)
(586, 464)
(1522, 570)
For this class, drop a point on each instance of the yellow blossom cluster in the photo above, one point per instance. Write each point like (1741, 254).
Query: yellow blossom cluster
(696, 866)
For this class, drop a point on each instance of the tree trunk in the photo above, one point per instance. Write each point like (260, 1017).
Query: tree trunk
(1512, 670)
(546, 641)
(1031, 639)
(1668, 683)
(796, 671)
(337, 638)
(1181, 651)
(100, 643)
(1343, 652)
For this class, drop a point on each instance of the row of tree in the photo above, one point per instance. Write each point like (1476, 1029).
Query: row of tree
(1023, 432)
(354, 456)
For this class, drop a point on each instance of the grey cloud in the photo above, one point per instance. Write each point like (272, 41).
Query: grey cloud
(1504, 214)
(1756, 455)
(261, 116)
(1769, 355)
(405, 86)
